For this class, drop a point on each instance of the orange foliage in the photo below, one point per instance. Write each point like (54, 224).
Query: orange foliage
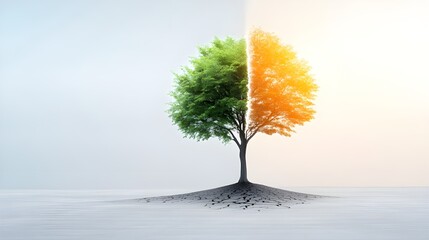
(281, 88)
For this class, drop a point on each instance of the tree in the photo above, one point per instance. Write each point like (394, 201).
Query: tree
(211, 96)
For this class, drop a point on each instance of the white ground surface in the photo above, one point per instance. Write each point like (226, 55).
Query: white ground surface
(357, 213)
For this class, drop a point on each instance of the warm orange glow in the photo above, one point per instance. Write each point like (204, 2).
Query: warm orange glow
(281, 88)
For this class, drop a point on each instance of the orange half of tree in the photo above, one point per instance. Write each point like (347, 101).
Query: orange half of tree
(281, 88)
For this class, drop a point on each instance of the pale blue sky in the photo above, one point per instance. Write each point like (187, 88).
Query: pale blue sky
(84, 89)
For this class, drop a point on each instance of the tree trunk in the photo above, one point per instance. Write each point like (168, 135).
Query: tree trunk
(243, 166)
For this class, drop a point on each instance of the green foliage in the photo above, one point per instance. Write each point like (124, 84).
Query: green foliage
(210, 96)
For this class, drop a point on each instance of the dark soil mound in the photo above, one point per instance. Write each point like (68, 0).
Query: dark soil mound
(238, 195)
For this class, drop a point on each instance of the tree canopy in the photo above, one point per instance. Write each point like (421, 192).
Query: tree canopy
(211, 95)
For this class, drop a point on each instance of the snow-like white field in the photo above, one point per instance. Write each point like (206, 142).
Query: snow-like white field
(357, 213)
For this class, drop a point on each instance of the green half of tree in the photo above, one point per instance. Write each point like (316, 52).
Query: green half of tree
(210, 96)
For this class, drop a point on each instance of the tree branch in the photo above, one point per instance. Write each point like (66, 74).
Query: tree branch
(233, 137)
(252, 135)
(251, 132)
(237, 124)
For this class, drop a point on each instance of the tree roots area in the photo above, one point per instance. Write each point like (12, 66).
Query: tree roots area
(240, 196)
